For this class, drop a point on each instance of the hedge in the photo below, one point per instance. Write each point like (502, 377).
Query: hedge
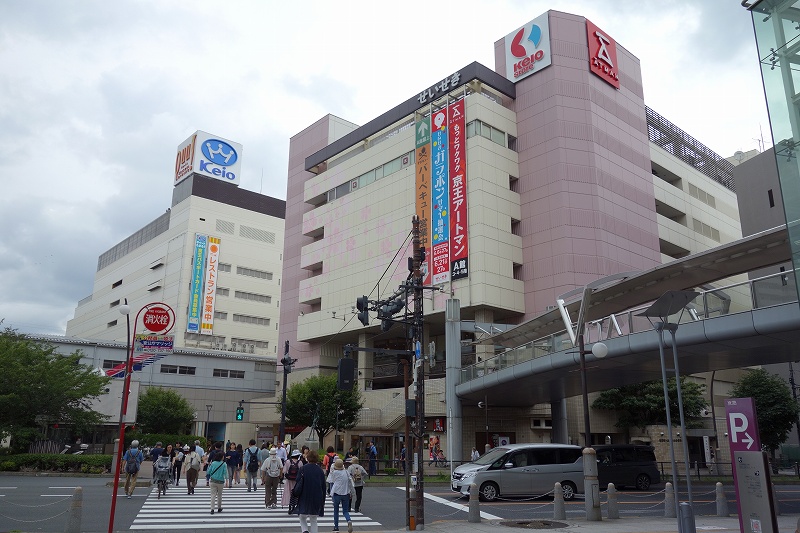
(45, 462)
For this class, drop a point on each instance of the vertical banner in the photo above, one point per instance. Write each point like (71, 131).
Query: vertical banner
(440, 200)
(196, 287)
(423, 191)
(459, 250)
(210, 293)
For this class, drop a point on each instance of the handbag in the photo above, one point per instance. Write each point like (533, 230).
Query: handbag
(298, 487)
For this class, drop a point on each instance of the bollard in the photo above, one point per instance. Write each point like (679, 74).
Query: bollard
(687, 518)
(669, 501)
(559, 512)
(474, 516)
(613, 505)
(412, 519)
(722, 501)
(591, 486)
(75, 511)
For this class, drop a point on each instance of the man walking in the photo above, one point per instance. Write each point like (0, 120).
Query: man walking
(132, 462)
(251, 465)
(372, 452)
(272, 469)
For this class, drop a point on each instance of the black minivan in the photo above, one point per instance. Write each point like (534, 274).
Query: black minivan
(632, 465)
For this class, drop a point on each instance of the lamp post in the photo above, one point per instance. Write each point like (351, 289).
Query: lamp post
(599, 350)
(287, 363)
(159, 318)
(485, 406)
(668, 304)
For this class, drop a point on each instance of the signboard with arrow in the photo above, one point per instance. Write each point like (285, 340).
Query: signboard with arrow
(751, 473)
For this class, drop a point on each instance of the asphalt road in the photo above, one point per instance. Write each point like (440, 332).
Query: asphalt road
(42, 504)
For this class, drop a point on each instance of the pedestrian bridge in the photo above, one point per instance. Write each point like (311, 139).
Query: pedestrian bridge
(735, 322)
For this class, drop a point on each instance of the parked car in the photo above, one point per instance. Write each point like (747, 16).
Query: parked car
(632, 465)
(522, 470)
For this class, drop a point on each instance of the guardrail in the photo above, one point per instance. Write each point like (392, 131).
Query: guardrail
(757, 293)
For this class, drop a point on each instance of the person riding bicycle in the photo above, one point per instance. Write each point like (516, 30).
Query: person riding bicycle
(162, 469)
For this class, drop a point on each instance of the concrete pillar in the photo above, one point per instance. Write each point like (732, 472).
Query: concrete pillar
(365, 362)
(474, 515)
(669, 501)
(558, 410)
(722, 501)
(613, 504)
(75, 512)
(455, 421)
(559, 511)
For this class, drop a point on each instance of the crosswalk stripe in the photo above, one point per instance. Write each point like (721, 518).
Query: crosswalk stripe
(241, 509)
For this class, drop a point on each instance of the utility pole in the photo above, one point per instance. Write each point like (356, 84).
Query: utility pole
(419, 369)
(287, 363)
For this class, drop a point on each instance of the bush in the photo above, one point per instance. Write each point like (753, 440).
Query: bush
(27, 462)
(390, 471)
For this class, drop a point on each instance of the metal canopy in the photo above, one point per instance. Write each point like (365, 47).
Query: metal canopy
(668, 304)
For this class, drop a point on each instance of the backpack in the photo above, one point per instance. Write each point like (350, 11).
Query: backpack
(294, 469)
(331, 459)
(357, 473)
(252, 463)
(194, 461)
(132, 463)
(274, 467)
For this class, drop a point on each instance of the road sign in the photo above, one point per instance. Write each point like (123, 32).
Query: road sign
(157, 319)
(742, 425)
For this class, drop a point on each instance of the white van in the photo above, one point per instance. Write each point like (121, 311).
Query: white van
(522, 470)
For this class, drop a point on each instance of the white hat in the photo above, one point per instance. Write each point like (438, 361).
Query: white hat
(296, 453)
(186, 448)
(273, 451)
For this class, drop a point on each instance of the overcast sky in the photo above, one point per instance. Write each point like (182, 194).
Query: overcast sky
(95, 97)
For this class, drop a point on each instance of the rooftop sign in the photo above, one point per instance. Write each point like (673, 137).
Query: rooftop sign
(528, 48)
(211, 156)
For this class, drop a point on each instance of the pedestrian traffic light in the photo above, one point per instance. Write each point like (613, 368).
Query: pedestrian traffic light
(362, 303)
(240, 413)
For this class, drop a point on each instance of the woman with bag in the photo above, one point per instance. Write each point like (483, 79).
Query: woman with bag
(310, 493)
(291, 471)
(218, 473)
(358, 474)
(341, 486)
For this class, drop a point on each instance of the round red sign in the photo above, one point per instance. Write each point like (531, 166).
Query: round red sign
(157, 319)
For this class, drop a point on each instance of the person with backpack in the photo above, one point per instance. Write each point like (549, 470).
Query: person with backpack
(291, 470)
(132, 463)
(358, 474)
(273, 469)
(191, 466)
(251, 465)
(327, 463)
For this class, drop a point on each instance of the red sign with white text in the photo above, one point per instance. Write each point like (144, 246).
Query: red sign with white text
(602, 54)
(157, 319)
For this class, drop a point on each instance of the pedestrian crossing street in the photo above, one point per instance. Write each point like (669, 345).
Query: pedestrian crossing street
(241, 509)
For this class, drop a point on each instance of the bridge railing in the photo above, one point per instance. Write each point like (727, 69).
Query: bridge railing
(731, 298)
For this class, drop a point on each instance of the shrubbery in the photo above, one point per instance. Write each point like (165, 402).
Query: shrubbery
(45, 462)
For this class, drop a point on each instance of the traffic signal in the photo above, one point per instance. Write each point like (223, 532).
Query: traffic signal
(240, 413)
(346, 374)
(362, 303)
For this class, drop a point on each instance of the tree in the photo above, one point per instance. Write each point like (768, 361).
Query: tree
(314, 403)
(643, 404)
(164, 411)
(40, 387)
(776, 410)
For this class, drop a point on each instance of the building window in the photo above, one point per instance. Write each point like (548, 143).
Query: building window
(223, 267)
(253, 273)
(513, 183)
(515, 225)
(476, 127)
(705, 229)
(111, 324)
(114, 303)
(175, 369)
(512, 142)
(253, 297)
(377, 173)
(236, 374)
(225, 373)
(771, 198)
(247, 319)
(109, 364)
(223, 292)
(517, 271)
(221, 315)
(116, 284)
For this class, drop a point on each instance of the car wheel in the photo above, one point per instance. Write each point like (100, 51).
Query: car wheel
(489, 491)
(569, 489)
(642, 482)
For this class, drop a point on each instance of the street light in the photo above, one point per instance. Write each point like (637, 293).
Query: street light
(668, 304)
(485, 405)
(124, 309)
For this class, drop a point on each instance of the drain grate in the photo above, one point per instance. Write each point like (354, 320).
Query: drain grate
(533, 524)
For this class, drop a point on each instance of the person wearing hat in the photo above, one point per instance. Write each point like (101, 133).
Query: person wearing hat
(358, 475)
(291, 471)
(272, 469)
(341, 486)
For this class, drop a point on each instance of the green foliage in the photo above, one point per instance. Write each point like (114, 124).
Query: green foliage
(314, 401)
(40, 387)
(390, 471)
(643, 404)
(164, 411)
(776, 410)
(86, 464)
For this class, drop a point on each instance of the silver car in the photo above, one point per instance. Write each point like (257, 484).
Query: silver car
(522, 470)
